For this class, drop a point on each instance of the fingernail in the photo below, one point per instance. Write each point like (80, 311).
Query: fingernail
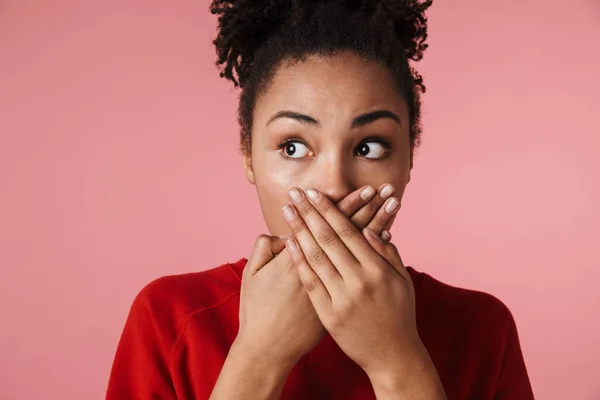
(367, 193)
(313, 194)
(387, 191)
(392, 206)
(295, 195)
(373, 235)
(289, 213)
(386, 236)
(291, 244)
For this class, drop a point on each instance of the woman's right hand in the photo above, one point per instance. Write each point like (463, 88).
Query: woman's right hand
(278, 324)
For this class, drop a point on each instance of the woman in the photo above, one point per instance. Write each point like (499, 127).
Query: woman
(323, 308)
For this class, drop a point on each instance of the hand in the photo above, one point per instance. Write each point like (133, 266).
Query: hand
(291, 328)
(358, 285)
(367, 216)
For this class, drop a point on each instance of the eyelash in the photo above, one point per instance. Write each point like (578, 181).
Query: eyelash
(285, 142)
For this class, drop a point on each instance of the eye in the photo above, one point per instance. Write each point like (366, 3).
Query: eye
(372, 150)
(294, 149)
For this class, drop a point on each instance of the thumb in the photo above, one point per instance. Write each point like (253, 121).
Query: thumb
(265, 249)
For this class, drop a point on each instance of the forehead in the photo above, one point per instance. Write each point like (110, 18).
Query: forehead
(334, 86)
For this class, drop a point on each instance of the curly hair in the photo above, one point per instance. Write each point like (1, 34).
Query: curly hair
(255, 36)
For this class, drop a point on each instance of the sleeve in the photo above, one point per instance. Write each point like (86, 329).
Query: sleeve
(140, 368)
(513, 381)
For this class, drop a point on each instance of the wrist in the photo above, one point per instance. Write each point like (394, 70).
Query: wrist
(415, 377)
(262, 360)
(245, 374)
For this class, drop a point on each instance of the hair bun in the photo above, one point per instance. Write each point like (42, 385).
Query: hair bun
(245, 25)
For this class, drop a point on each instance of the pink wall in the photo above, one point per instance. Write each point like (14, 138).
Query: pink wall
(118, 161)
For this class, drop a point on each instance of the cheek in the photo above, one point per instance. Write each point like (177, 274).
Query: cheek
(395, 171)
(399, 181)
(274, 182)
(272, 185)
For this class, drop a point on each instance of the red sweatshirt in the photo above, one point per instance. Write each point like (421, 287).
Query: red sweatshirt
(180, 329)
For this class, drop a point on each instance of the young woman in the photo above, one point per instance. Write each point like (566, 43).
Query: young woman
(330, 116)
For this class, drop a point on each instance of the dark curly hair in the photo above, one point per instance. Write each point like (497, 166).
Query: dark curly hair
(255, 36)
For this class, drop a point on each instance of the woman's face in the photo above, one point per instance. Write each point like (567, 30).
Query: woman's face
(333, 123)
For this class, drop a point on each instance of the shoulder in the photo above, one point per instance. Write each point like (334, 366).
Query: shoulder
(194, 290)
(472, 310)
(157, 320)
(169, 300)
(473, 332)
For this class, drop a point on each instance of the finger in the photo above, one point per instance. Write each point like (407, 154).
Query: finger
(313, 253)
(362, 204)
(363, 216)
(345, 242)
(265, 249)
(384, 216)
(317, 291)
(320, 238)
(355, 200)
(388, 251)
(351, 203)
(389, 225)
(386, 236)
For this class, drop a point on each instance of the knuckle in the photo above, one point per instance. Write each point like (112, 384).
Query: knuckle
(349, 207)
(345, 205)
(373, 206)
(381, 219)
(305, 209)
(347, 230)
(328, 237)
(311, 284)
(361, 289)
(334, 323)
(324, 205)
(262, 238)
(296, 227)
(262, 241)
(378, 276)
(317, 255)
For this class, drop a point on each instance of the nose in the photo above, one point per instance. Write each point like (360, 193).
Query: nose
(335, 180)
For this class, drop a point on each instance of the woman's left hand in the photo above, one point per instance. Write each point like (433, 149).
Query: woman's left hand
(361, 291)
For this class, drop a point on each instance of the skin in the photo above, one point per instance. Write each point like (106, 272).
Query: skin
(337, 275)
(363, 295)
(333, 91)
(268, 345)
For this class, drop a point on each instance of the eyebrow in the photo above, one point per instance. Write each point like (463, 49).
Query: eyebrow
(357, 122)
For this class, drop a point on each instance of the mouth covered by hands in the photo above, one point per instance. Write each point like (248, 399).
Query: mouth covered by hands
(280, 320)
(358, 286)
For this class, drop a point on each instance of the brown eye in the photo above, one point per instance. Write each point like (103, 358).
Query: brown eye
(294, 149)
(290, 149)
(371, 150)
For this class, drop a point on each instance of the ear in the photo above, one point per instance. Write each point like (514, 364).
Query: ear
(247, 160)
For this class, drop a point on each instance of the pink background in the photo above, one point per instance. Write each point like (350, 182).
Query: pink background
(119, 164)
